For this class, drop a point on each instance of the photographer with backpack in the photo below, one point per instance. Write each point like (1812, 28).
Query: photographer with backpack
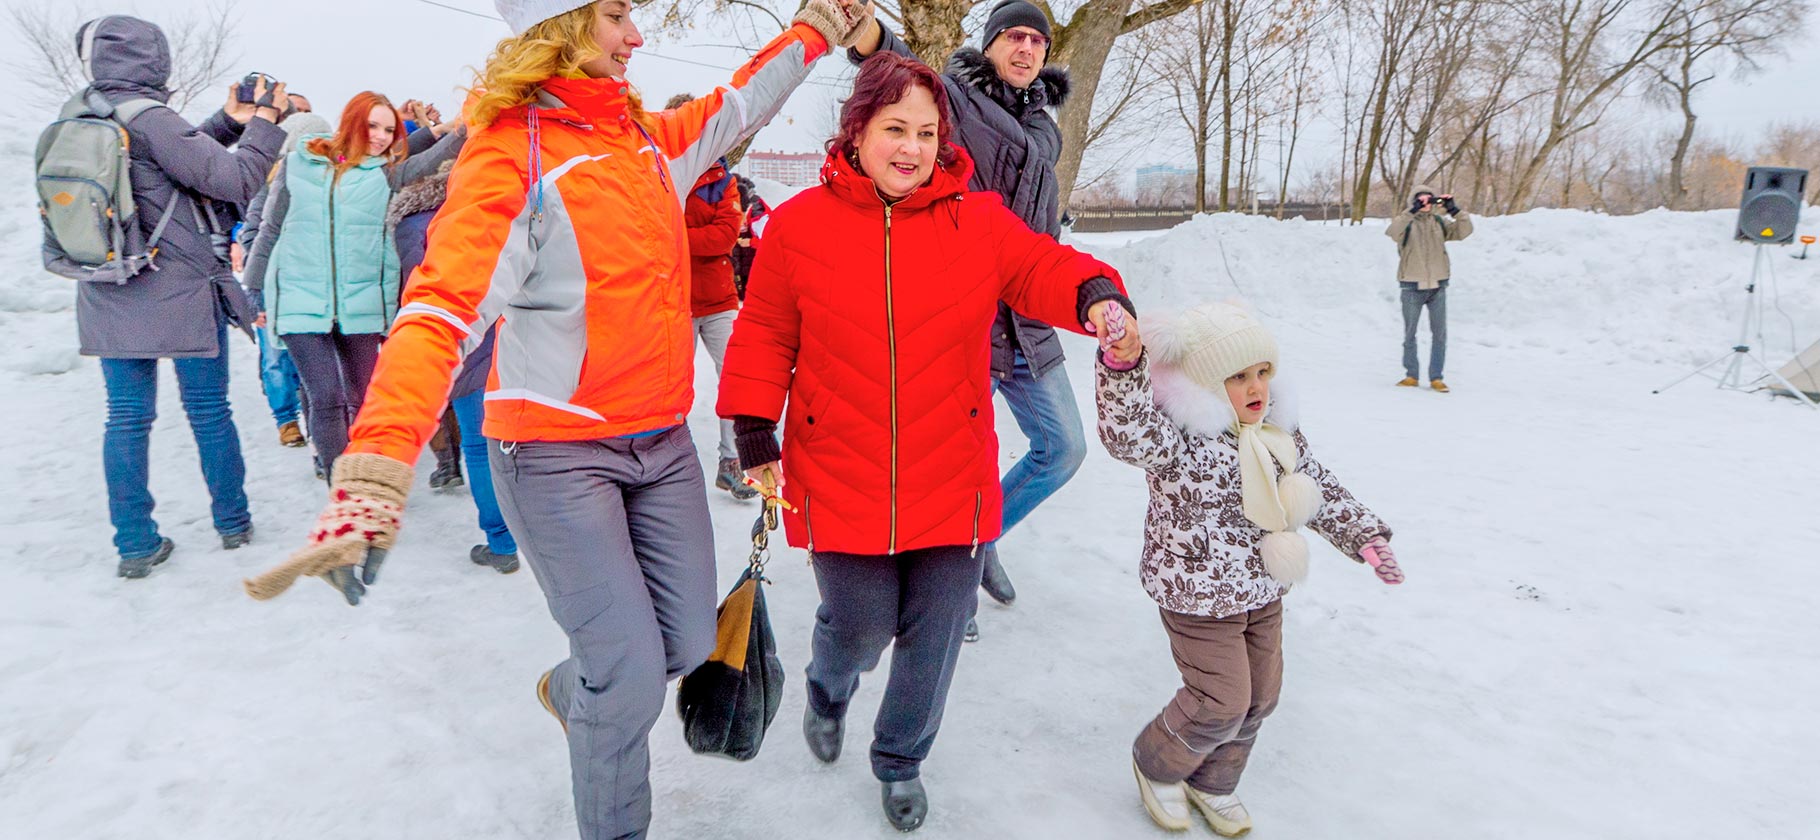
(155, 283)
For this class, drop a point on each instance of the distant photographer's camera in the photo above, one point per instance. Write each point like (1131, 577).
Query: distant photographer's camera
(249, 86)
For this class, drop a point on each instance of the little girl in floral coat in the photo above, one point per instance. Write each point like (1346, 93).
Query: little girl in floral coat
(1221, 543)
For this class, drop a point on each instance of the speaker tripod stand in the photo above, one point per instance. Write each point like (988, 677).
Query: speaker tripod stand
(1735, 361)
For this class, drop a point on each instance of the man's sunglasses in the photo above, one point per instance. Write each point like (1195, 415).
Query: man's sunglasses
(1017, 36)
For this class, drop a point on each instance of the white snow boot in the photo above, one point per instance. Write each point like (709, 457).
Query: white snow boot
(1225, 813)
(1167, 803)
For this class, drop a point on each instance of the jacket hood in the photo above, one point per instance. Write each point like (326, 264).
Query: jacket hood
(421, 196)
(125, 54)
(973, 69)
(854, 186)
(1198, 411)
(1422, 188)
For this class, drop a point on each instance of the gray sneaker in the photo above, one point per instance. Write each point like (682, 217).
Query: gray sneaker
(504, 564)
(134, 568)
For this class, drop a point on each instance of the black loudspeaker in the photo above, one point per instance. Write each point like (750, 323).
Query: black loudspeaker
(1771, 205)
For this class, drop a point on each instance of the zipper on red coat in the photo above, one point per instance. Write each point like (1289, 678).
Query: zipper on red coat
(808, 521)
(979, 500)
(891, 344)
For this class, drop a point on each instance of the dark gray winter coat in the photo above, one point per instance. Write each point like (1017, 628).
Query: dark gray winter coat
(175, 311)
(1014, 144)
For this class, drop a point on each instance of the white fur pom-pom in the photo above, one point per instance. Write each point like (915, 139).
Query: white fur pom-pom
(1163, 338)
(1301, 498)
(1285, 556)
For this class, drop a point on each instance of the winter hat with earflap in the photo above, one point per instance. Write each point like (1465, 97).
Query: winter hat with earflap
(521, 15)
(1200, 349)
(1009, 13)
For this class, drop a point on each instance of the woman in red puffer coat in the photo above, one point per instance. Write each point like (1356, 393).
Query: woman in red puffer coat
(868, 309)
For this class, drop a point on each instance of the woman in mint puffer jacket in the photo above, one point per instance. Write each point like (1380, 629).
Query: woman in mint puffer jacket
(327, 266)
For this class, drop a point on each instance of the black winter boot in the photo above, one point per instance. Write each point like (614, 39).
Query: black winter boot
(823, 734)
(447, 475)
(233, 541)
(138, 567)
(994, 580)
(906, 804)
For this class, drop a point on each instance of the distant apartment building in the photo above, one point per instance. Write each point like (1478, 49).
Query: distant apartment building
(802, 170)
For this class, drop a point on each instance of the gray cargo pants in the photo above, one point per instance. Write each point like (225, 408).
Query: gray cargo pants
(617, 533)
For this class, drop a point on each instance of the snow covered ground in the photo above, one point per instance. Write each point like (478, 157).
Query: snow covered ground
(1608, 631)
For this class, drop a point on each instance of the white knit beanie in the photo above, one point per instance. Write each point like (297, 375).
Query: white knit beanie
(1211, 342)
(521, 15)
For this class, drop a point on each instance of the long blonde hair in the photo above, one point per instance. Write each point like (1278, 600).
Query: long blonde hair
(553, 49)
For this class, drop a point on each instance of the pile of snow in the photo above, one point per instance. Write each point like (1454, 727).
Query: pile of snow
(1607, 630)
(1656, 286)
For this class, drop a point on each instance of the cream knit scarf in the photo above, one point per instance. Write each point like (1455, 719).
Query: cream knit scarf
(1279, 506)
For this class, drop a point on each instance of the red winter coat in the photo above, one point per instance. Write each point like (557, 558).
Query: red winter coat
(714, 220)
(874, 322)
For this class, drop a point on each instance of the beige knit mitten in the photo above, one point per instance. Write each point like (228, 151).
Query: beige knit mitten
(842, 26)
(366, 504)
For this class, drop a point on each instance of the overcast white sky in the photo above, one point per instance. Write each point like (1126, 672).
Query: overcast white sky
(331, 49)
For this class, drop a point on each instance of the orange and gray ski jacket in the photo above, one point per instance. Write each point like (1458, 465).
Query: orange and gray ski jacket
(564, 224)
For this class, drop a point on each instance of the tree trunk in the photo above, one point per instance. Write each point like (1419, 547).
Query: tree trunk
(1228, 29)
(1082, 46)
(932, 29)
(1371, 138)
(1677, 165)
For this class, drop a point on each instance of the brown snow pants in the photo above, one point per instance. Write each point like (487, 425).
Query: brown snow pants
(1232, 671)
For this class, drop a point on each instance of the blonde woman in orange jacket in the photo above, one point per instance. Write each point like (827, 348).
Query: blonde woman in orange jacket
(564, 224)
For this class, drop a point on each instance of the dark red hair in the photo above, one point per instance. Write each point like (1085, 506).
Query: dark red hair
(885, 79)
(349, 145)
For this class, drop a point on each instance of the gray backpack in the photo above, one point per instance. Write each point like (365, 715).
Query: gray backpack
(85, 193)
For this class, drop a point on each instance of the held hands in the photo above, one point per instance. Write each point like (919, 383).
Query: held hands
(842, 22)
(1382, 560)
(1120, 343)
(1447, 203)
(353, 534)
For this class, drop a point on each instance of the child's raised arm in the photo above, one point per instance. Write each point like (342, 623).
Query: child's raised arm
(1131, 427)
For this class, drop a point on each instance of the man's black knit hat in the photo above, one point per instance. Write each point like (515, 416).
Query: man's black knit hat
(1009, 13)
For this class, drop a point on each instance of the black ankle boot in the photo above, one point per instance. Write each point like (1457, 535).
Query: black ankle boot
(906, 804)
(994, 580)
(823, 734)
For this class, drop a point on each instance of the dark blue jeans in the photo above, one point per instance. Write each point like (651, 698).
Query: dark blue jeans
(1414, 301)
(278, 378)
(469, 412)
(132, 405)
(1048, 415)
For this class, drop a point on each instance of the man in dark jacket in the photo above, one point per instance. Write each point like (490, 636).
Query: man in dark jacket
(998, 95)
(181, 310)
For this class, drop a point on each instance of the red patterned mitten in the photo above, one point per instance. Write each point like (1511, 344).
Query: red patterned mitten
(366, 506)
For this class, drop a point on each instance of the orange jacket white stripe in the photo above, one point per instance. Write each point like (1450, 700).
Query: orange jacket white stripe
(577, 246)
